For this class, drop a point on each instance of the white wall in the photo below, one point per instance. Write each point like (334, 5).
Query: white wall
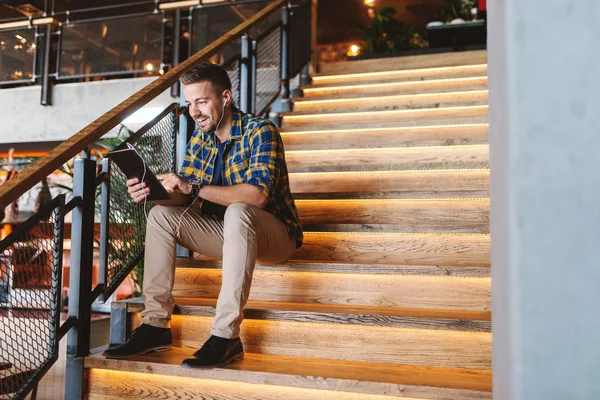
(74, 105)
(544, 81)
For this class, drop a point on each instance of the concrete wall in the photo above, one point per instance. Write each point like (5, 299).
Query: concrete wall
(74, 106)
(545, 198)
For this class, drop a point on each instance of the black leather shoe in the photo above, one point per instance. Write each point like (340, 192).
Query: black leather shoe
(216, 352)
(144, 339)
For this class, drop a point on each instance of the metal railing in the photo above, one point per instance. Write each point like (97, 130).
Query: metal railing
(120, 45)
(19, 52)
(30, 281)
(31, 258)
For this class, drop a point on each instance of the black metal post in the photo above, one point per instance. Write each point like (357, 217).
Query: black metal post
(283, 102)
(57, 271)
(245, 75)
(253, 75)
(182, 129)
(46, 99)
(285, 55)
(176, 45)
(82, 247)
(104, 224)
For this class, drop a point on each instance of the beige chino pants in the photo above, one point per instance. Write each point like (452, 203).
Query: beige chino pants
(246, 235)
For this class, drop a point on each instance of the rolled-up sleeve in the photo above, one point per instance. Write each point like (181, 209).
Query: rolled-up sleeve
(266, 155)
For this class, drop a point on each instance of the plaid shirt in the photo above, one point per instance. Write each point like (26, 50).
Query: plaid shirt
(253, 154)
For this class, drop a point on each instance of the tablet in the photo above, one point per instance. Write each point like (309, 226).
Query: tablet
(134, 166)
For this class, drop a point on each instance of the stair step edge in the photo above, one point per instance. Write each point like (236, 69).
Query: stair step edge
(347, 376)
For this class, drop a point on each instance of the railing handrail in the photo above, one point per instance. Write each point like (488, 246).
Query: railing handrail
(44, 166)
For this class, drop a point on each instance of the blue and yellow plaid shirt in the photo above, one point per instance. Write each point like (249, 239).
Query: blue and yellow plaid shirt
(253, 154)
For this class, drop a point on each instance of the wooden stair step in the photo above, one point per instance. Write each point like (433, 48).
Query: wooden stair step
(391, 184)
(400, 75)
(458, 297)
(398, 158)
(426, 61)
(474, 321)
(421, 116)
(436, 135)
(391, 102)
(400, 87)
(406, 215)
(264, 377)
(470, 250)
(390, 345)
(341, 267)
(405, 62)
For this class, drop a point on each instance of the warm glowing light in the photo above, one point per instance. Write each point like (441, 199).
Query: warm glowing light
(149, 67)
(388, 129)
(432, 96)
(19, 37)
(179, 4)
(370, 3)
(416, 111)
(26, 23)
(161, 71)
(353, 51)
(371, 13)
(473, 80)
(104, 30)
(428, 71)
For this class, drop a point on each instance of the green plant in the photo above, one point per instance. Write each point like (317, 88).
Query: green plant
(386, 34)
(458, 9)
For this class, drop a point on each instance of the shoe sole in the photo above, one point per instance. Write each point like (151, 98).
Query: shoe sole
(237, 357)
(159, 349)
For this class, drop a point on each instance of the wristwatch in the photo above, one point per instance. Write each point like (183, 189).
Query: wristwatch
(196, 185)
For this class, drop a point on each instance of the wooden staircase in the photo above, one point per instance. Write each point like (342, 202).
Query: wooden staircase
(390, 294)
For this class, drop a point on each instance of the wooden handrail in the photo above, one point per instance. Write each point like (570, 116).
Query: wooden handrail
(68, 149)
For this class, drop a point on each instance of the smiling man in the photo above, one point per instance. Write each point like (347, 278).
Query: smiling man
(231, 201)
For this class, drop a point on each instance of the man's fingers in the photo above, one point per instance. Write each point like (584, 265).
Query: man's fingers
(136, 188)
(132, 181)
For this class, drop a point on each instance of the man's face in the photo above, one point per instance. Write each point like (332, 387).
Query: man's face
(205, 105)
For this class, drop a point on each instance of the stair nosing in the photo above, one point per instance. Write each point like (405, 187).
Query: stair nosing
(331, 309)
(389, 97)
(311, 88)
(406, 171)
(342, 371)
(383, 129)
(396, 148)
(292, 115)
(398, 72)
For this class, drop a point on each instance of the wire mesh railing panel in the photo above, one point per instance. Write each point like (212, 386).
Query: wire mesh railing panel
(268, 70)
(30, 280)
(127, 220)
(300, 34)
(17, 55)
(111, 46)
(233, 70)
(210, 23)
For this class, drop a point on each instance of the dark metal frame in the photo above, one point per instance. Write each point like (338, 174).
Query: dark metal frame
(257, 43)
(209, 6)
(56, 332)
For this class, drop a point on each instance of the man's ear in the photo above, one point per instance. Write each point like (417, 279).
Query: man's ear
(228, 97)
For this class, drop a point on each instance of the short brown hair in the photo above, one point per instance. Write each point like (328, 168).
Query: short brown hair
(212, 73)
